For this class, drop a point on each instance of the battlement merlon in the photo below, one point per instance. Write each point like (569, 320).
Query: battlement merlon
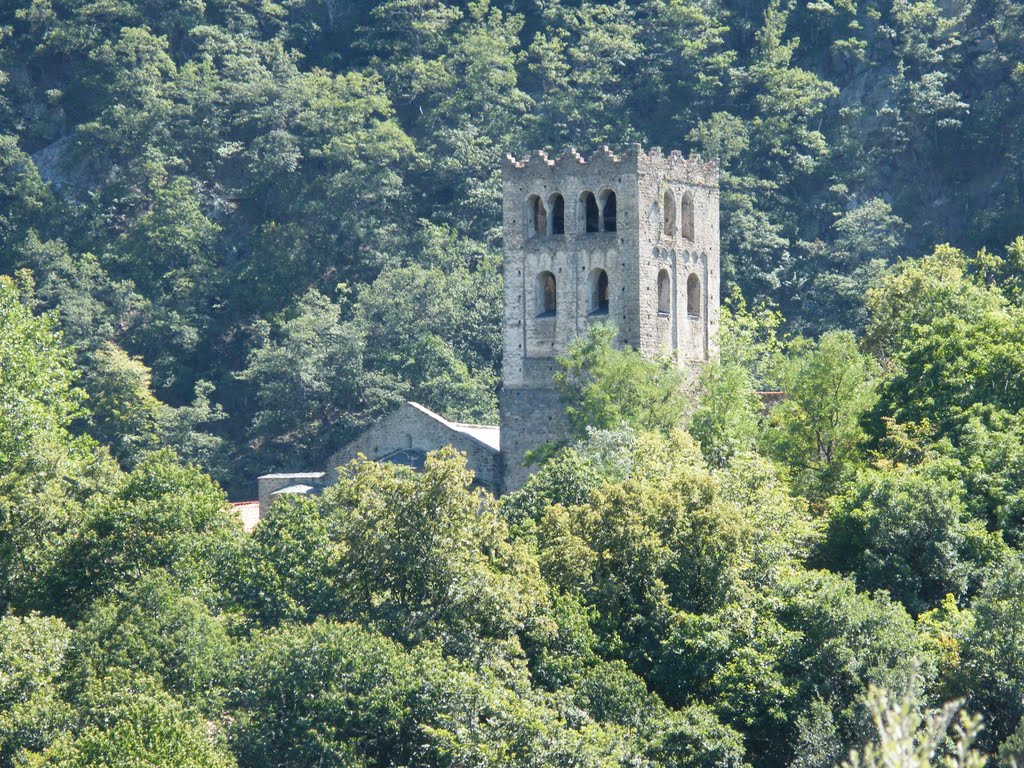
(672, 167)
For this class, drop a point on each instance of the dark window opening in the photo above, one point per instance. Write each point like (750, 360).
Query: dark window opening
(557, 215)
(547, 295)
(591, 213)
(538, 217)
(664, 293)
(693, 296)
(599, 292)
(669, 220)
(609, 212)
(687, 217)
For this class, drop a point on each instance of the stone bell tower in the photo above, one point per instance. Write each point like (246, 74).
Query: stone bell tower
(630, 239)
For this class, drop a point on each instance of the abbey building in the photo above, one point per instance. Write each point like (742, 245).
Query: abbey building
(631, 239)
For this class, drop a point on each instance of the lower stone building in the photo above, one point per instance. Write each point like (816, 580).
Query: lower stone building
(405, 436)
(409, 433)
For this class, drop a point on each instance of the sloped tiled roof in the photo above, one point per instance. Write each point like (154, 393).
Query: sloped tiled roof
(249, 512)
(293, 476)
(302, 489)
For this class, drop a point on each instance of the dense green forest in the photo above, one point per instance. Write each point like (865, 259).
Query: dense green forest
(233, 233)
(289, 212)
(700, 584)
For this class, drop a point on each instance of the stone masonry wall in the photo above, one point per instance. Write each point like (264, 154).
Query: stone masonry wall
(408, 427)
(267, 484)
(530, 417)
(682, 252)
(646, 240)
(570, 257)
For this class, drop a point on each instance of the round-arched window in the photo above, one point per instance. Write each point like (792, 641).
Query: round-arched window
(556, 204)
(589, 213)
(664, 293)
(609, 211)
(687, 217)
(536, 216)
(547, 295)
(598, 292)
(693, 296)
(668, 226)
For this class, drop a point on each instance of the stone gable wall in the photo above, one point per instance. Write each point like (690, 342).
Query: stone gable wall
(410, 428)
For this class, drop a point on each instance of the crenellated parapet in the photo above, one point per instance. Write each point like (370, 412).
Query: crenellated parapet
(539, 159)
(674, 166)
(679, 168)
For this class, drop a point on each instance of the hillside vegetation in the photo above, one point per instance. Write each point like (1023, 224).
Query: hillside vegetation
(290, 211)
(233, 233)
(699, 583)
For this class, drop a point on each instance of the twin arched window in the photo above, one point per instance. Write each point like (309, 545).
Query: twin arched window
(668, 222)
(598, 215)
(685, 218)
(594, 214)
(544, 220)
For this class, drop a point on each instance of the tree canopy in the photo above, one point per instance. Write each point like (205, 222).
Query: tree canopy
(261, 202)
(233, 234)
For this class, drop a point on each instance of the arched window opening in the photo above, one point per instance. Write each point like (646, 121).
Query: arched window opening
(664, 293)
(668, 226)
(538, 217)
(557, 206)
(693, 296)
(590, 214)
(687, 217)
(609, 211)
(598, 292)
(547, 295)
